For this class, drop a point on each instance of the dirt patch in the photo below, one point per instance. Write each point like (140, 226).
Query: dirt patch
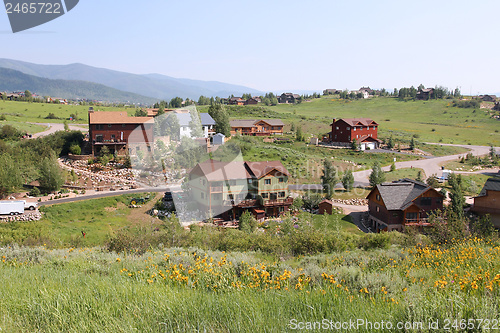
(138, 216)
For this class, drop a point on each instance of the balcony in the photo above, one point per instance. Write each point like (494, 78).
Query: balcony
(215, 189)
(417, 222)
(278, 202)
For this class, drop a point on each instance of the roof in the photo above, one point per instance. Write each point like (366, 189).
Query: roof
(358, 121)
(206, 119)
(366, 138)
(220, 171)
(116, 117)
(260, 169)
(219, 135)
(252, 122)
(400, 194)
(185, 119)
(492, 184)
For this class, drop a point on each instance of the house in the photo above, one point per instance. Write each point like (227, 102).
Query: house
(227, 189)
(425, 94)
(117, 131)
(254, 127)
(367, 90)
(236, 101)
(363, 130)
(405, 202)
(184, 118)
(154, 112)
(253, 101)
(331, 91)
(218, 139)
(488, 98)
(364, 93)
(288, 98)
(488, 201)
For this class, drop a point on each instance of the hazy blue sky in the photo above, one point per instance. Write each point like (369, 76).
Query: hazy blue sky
(277, 45)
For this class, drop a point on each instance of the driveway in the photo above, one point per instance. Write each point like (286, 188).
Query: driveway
(54, 127)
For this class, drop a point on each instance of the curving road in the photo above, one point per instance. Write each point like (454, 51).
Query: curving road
(54, 127)
(430, 166)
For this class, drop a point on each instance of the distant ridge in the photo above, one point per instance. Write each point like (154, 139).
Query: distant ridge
(12, 80)
(152, 85)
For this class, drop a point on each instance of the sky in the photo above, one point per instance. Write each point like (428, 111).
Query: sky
(277, 45)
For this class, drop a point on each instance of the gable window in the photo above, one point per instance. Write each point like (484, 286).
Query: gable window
(426, 201)
(378, 196)
(281, 179)
(267, 181)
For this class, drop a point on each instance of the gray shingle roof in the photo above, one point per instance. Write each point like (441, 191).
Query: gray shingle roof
(185, 119)
(492, 184)
(399, 195)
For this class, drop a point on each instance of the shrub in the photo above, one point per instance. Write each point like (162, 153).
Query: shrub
(34, 192)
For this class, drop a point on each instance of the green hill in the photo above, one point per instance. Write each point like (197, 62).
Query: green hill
(12, 80)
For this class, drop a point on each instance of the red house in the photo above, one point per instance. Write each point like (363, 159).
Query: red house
(405, 202)
(116, 130)
(363, 130)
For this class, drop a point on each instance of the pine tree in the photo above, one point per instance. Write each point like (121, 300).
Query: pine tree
(329, 178)
(348, 180)
(377, 176)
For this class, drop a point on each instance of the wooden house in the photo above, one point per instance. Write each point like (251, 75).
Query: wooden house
(363, 130)
(405, 202)
(425, 94)
(254, 127)
(231, 188)
(288, 98)
(116, 130)
(488, 201)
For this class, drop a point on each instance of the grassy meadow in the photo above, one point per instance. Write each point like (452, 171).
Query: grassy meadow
(186, 290)
(23, 112)
(430, 121)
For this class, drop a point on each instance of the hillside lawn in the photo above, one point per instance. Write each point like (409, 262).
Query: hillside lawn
(431, 121)
(23, 112)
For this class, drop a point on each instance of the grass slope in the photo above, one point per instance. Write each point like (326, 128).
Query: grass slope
(431, 121)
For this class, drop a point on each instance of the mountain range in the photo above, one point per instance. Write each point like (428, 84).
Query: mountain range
(155, 86)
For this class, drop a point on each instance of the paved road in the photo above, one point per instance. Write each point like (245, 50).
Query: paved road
(54, 127)
(98, 195)
(430, 166)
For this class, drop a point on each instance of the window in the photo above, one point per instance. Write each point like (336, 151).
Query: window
(378, 197)
(267, 181)
(281, 179)
(98, 127)
(426, 201)
(202, 195)
(109, 125)
(112, 137)
(273, 196)
(337, 128)
(281, 209)
(229, 197)
(348, 128)
(265, 195)
(123, 125)
(149, 148)
(281, 194)
(354, 128)
(395, 214)
(203, 182)
(249, 181)
(98, 137)
(377, 209)
(411, 216)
